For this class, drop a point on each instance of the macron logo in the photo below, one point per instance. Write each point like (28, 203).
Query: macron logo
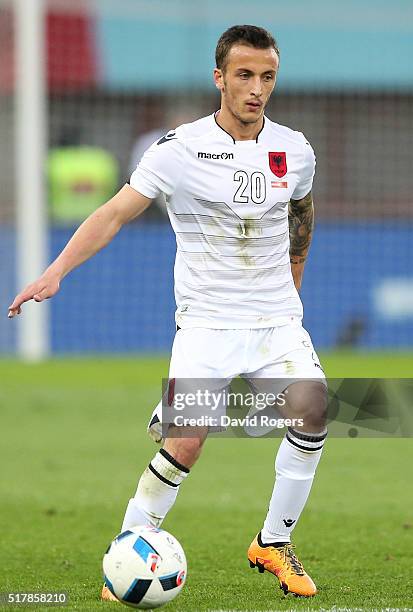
(167, 137)
(202, 155)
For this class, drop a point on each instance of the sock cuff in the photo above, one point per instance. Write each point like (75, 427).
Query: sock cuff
(272, 541)
(166, 470)
(172, 460)
(308, 442)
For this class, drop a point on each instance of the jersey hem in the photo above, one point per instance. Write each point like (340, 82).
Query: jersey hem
(250, 323)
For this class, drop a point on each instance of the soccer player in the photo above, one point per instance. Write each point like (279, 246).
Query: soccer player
(238, 191)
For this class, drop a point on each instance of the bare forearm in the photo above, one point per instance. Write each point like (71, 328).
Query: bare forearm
(98, 230)
(94, 234)
(301, 224)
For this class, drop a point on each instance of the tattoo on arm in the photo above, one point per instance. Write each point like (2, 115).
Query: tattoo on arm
(301, 223)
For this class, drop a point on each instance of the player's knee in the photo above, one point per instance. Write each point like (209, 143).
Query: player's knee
(308, 401)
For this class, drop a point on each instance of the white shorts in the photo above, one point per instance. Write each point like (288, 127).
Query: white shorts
(220, 355)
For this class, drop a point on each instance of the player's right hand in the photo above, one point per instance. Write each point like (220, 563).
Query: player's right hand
(42, 289)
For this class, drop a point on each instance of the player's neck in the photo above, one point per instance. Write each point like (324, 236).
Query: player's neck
(236, 128)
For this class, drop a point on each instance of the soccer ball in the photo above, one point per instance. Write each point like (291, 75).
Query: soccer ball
(145, 567)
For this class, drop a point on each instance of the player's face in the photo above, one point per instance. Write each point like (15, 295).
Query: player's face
(247, 81)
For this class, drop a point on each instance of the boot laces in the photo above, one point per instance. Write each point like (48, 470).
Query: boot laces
(291, 559)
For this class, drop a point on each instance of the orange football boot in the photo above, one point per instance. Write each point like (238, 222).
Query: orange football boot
(283, 563)
(107, 594)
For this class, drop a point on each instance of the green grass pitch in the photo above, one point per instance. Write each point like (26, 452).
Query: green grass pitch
(73, 444)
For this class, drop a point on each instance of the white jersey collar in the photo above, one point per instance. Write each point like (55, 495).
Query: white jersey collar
(239, 142)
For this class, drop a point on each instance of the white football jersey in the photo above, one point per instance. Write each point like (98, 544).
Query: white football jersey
(228, 205)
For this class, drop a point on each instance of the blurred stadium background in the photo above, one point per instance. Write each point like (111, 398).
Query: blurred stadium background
(118, 72)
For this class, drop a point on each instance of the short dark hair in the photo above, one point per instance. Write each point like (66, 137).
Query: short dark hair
(250, 35)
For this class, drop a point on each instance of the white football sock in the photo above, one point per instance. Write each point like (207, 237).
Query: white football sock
(156, 493)
(295, 466)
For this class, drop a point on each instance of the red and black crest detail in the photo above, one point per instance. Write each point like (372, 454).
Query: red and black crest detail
(278, 163)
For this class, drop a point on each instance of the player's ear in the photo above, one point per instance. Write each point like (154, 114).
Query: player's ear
(218, 79)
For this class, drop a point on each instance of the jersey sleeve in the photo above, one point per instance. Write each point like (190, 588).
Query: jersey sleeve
(161, 167)
(305, 183)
